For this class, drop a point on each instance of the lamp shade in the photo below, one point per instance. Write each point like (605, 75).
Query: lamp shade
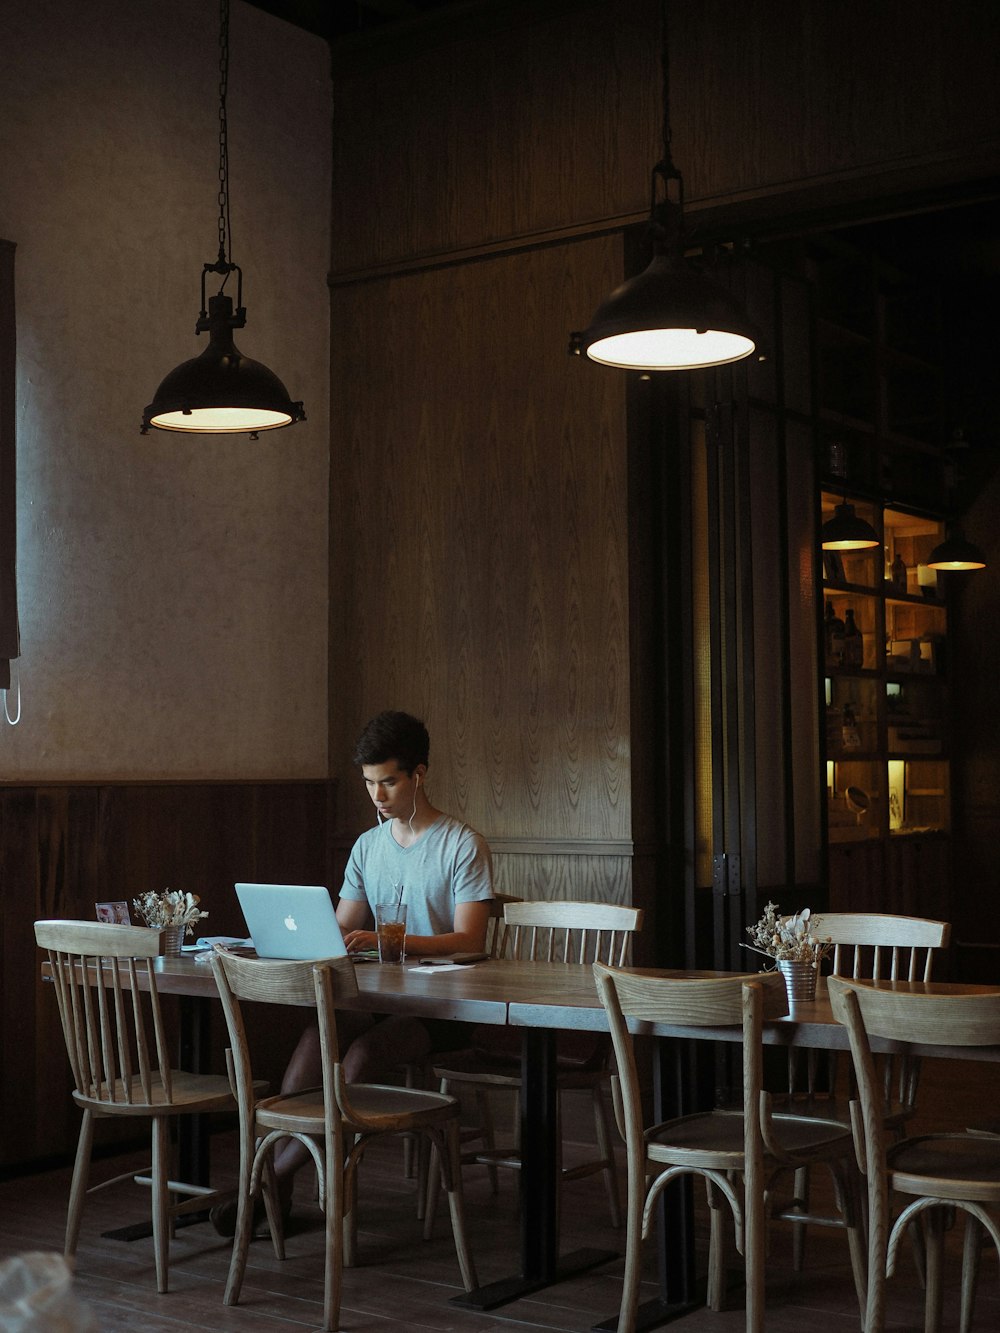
(847, 531)
(669, 317)
(221, 391)
(956, 553)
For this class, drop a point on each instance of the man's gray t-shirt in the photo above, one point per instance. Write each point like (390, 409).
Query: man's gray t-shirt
(448, 864)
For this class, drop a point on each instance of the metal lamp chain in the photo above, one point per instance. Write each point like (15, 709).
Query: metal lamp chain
(666, 217)
(225, 230)
(665, 83)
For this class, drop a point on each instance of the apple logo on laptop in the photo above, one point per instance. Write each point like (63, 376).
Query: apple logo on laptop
(290, 923)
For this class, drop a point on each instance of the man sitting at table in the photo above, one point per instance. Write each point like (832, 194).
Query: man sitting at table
(442, 871)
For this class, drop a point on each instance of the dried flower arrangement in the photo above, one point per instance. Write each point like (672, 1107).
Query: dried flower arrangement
(787, 939)
(170, 908)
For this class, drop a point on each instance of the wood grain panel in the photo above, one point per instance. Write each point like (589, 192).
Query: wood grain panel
(64, 848)
(540, 123)
(550, 122)
(585, 879)
(479, 551)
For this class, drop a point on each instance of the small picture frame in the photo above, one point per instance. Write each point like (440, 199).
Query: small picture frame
(115, 913)
(833, 567)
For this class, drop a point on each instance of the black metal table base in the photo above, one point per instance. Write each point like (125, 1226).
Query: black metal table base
(652, 1314)
(512, 1288)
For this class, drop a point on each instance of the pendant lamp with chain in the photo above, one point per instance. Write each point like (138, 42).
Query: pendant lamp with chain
(222, 392)
(671, 316)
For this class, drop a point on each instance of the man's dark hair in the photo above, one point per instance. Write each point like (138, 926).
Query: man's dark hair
(392, 735)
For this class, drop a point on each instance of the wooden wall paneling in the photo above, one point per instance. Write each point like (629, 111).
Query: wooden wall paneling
(857, 875)
(740, 75)
(549, 122)
(22, 1042)
(64, 848)
(917, 879)
(479, 540)
(551, 876)
(803, 637)
(766, 552)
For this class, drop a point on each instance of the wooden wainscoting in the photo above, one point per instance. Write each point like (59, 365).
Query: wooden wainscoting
(65, 847)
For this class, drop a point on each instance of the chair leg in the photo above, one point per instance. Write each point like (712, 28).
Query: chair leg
(718, 1235)
(635, 1198)
(272, 1206)
(754, 1252)
(452, 1165)
(801, 1191)
(415, 1077)
(848, 1200)
(602, 1130)
(333, 1210)
(161, 1198)
(433, 1186)
(971, 1251)
(485, 1113)
(351, 1158)
(244, 1219)
(934, 1295)
(423, 1174)
(78, 1188)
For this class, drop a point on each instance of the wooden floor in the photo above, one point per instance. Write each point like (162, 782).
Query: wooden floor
(403, 1282)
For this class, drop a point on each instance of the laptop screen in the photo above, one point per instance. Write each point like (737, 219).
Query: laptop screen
(291, 920)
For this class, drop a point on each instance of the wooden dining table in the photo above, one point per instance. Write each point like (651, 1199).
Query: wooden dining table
(542, 999)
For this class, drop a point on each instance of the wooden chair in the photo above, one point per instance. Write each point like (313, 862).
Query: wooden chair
(335, 1122)
(117, 1050)
(736, 1153)
(865, 945)
(579, 934)
(938, 1172)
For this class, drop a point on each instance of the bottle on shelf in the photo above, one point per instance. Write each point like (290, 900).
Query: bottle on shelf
(898, 572)
(833, 630)
(850, 737)
(854, 644)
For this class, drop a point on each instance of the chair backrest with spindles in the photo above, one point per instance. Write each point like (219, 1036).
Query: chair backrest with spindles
(498, 934)
(881, 946)
(572, 932)
(114, 1033)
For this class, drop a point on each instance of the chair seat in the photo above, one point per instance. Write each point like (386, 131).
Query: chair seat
(897, 1114)
(949, 1166)
(382, 1107)
(189, 1093)
(714, 1139)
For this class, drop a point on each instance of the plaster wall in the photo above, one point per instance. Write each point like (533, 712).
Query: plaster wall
(172, 590)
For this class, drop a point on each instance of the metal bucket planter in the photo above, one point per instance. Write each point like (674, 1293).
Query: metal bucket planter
(800, 980)
(172, 938)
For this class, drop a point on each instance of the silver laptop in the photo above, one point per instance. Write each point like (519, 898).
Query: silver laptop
(291, 920)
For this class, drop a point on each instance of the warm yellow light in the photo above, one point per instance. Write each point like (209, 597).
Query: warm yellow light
(670, 349)
(221, 420)
(849, 544)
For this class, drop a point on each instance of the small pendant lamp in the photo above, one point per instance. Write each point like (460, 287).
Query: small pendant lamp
(955, 552)
(222, 392)
(847, 531)
(671, 316)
